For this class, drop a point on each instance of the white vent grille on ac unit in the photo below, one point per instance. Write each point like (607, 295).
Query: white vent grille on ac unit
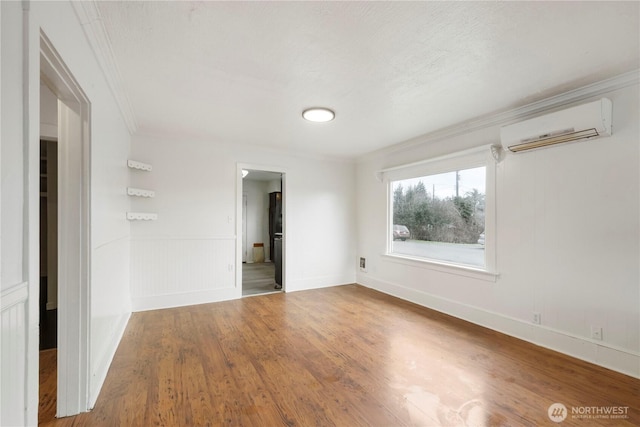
(584, 121)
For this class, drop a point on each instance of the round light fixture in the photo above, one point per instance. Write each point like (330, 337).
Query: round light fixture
(318, 114)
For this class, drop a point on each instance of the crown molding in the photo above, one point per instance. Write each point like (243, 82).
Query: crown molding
(515, 114)
(93, 26)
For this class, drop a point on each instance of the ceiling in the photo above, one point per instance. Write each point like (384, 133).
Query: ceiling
(242, 72)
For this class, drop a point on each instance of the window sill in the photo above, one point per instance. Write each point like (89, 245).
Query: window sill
(459, 270)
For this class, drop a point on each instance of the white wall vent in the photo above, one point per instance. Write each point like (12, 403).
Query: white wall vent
(589, 120)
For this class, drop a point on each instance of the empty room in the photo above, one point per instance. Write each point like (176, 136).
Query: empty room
(319, 213)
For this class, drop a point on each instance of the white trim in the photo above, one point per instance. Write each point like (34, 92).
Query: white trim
(513, 114)
(157, 302)
(319, 282)
(597, 352)
(93, 26)
(444, 267)
(74, 241)
(17, 294)
(31, 210)
(464, 156)
(482, 156)
(105, 360)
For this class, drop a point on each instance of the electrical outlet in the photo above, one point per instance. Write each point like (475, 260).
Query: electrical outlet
(596, 333)
(363, 264)
(537, 318)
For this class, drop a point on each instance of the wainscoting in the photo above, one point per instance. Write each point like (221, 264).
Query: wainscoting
(14, 349)
(171, 272)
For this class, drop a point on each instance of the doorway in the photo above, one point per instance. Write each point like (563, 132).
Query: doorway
(262, 232)
(48, 218)
(69, 389)
(48, 263)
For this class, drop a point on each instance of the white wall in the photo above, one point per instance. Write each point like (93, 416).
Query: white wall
(567, 243)
(12, 146)
(110, 140)
(188, 255)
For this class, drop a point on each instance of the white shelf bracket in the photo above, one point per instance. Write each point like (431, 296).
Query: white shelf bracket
(141, 216)
(134, 164)
(139, 192)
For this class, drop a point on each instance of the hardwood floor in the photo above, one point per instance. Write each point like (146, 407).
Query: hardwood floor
(258, 278)
(344, 356)
(48, 385)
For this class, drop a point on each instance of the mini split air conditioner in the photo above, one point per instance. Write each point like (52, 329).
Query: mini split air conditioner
(573, 124)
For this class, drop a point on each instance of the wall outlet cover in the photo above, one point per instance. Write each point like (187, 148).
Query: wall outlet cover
(537, 318)
(596, 333)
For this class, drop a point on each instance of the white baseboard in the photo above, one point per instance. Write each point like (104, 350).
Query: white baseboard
(596, 352)
(105, 362)
(156, 302)
(318, 282)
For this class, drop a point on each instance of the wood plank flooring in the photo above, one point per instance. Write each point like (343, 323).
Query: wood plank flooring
(258, 278)
(343, 356)
(48, 385)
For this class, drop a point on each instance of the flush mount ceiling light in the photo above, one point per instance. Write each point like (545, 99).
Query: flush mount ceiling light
(318, 114)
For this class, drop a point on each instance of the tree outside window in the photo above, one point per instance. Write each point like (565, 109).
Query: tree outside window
(445, 214)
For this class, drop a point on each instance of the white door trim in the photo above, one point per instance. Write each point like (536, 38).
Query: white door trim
(74, 231)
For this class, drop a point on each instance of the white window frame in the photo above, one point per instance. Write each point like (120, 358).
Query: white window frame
(468, 159)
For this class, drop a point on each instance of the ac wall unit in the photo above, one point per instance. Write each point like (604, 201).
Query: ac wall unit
(590, 120)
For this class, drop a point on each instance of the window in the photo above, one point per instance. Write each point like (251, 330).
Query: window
(441, 211)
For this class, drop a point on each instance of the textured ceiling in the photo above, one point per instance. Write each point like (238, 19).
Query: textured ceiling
(242, 72)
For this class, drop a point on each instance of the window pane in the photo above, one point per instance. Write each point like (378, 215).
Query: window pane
(441, 217)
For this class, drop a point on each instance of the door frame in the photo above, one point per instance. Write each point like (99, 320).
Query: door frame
(74, 232)
(239, 222)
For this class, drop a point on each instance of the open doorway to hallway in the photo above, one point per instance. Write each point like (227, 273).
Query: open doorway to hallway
(48, 254)
(262, 232)
(48, 218)
(64, 379)
(48, 244)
